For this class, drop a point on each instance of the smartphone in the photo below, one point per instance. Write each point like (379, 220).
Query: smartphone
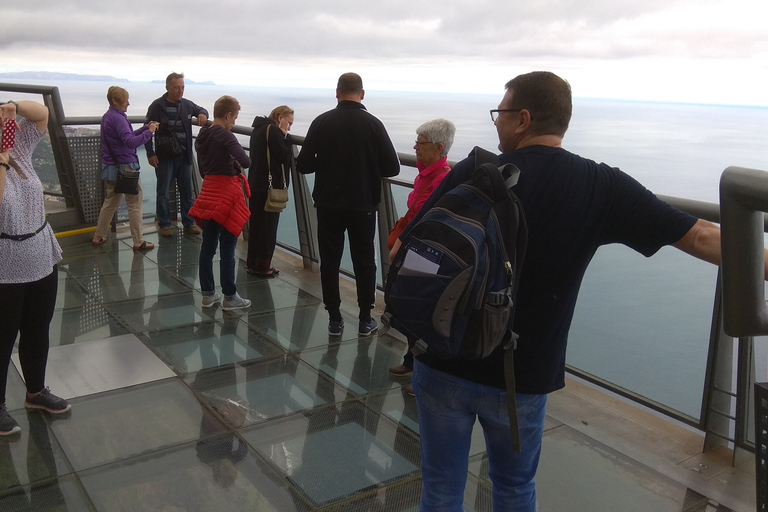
(9, 135)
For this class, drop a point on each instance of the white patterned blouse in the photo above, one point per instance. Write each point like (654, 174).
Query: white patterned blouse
(22, 211)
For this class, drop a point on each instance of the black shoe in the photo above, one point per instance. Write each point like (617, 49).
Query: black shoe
(8, 425)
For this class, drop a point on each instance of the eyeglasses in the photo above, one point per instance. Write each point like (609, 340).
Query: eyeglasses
(496, 111)
(419, 142)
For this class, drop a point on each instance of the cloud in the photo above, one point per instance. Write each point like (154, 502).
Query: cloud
(313, 40)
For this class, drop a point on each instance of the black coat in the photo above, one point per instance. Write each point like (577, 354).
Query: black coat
(280, 152)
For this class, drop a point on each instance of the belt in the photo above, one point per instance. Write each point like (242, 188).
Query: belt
(20, 238)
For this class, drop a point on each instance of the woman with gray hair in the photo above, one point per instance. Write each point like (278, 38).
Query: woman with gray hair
(433, 141)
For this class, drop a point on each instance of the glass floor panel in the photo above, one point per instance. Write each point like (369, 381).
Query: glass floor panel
(361, 367)
(133, 285)
(174, 255)
(99, 263)
(75, 295)
(334, 454)
(269, 295)
(56, 494)
(29, 456)
(117, 425)
(299, 328)
(160, 313)
(218, 474)
(90, 322)
(265, 390)
(209, 345)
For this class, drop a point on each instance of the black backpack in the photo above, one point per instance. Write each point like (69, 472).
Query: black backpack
(453, 283)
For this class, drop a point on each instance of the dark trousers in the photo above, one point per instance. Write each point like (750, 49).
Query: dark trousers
(27, 308)
(262, 234)
(361, 229)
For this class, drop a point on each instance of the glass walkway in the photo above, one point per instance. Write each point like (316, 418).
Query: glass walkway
(179, 408)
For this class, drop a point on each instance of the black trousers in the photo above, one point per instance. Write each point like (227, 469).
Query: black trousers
(361, 229)
(27, 308)
(262, 235)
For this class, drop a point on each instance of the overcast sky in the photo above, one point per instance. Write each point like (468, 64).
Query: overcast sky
(711, 51)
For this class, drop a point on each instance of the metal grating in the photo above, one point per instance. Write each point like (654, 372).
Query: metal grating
(86, 160)
(761, 445)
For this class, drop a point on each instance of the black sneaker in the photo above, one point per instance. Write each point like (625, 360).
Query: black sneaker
(8, 425)
(367, 328)
(335, 328)
(47, 401)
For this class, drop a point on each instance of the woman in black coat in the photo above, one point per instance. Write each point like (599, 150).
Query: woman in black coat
(269, 132)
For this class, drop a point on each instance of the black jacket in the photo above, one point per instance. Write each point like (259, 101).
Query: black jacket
(280, 148)
(349, 151)
(157, 111)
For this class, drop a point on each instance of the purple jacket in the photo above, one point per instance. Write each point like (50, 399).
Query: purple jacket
(122, 139)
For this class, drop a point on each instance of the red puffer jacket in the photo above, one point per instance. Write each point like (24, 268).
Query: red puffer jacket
(221, 200)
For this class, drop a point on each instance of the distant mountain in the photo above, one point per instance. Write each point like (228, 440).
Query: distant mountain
(47, 75)
(187, 81)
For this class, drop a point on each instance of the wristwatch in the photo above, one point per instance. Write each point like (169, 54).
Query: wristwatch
(14, 104)
(7, 167)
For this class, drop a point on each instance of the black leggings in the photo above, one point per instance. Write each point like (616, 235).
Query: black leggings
(27, 308)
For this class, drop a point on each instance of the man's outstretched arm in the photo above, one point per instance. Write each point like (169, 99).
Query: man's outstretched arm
(703, 242)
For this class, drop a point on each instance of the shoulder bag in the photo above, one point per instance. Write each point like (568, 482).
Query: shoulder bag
(127, 179)
(277, 198)
(166, 143)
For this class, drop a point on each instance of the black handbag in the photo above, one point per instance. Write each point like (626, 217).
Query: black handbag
(166, 143)
(127, 181)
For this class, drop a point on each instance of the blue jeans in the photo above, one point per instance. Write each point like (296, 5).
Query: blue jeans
(167, 170)
(447, 408)
(214, 234)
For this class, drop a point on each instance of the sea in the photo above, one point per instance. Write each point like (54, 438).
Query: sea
(642, 324)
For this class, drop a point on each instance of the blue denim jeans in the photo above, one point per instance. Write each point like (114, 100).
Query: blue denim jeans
(447, 408)
(214, 234)
(167, 170)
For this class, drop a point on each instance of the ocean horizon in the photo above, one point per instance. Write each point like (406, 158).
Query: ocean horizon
(676, 149)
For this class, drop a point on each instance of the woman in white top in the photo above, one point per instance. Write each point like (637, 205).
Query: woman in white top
(29, 254)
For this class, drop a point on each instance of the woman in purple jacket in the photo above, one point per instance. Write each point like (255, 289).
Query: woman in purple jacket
(119, 141)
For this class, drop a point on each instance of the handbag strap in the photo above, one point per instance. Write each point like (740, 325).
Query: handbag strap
(269, 164)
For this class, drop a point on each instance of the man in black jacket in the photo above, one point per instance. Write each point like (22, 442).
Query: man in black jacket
(349, 151)
(175, 115)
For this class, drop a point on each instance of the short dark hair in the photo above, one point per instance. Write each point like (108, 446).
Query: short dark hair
(547, 97)
(173, 76)
(224, 106)
(350, 83)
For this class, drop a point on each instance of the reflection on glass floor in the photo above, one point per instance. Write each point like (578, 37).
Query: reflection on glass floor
(262, 411)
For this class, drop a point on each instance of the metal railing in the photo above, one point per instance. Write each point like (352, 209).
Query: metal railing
(717, 422)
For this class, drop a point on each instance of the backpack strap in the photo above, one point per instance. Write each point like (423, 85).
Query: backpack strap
(510, 173)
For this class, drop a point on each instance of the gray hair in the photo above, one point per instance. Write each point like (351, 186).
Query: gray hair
(438, 131)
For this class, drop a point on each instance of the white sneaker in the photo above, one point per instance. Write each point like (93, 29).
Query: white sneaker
(211, 300)
(236, 302)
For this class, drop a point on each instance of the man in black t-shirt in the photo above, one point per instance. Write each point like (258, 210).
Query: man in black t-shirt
(572, 206)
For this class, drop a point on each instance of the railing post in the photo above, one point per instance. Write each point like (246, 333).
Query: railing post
(743, 199)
